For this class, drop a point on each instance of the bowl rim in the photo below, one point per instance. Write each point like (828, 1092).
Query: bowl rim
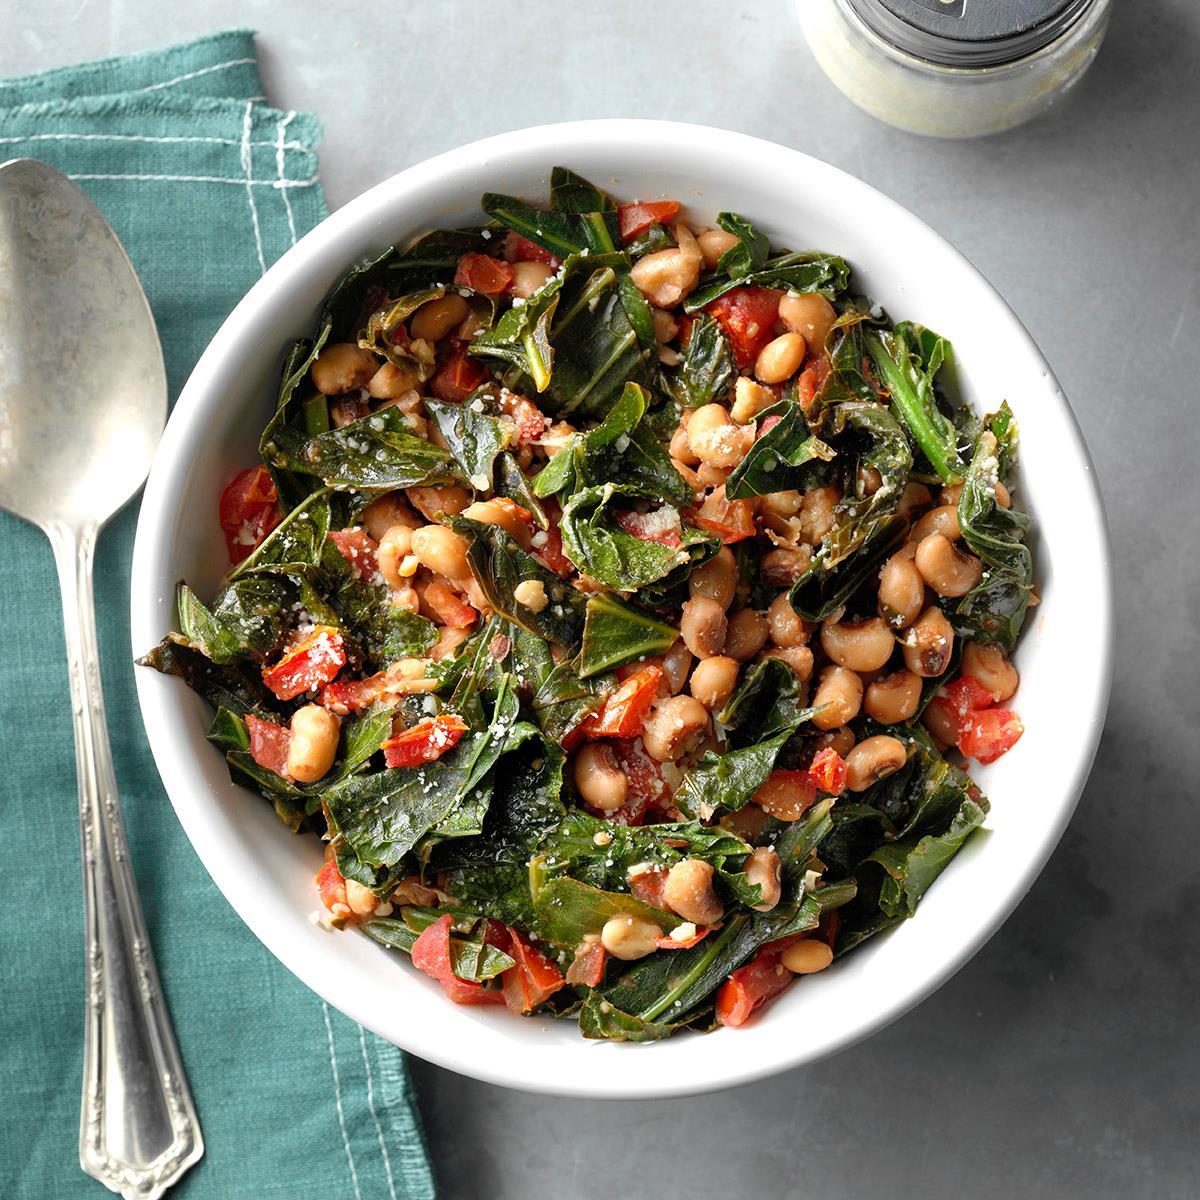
(186, 425)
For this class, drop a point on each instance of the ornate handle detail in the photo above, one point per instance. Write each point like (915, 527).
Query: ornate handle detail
(138, 1129)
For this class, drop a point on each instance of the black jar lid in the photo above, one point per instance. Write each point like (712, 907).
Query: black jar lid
(969, 33)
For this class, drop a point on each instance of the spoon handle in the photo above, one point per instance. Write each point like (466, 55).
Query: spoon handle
(138, 1129)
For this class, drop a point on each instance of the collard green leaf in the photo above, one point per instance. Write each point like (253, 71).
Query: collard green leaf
(907, 362)
(511, 481)
(751, 252)
(994, 610)
(247, 617)
(786, 456)
(383, 325)
(236, 685)
(598, 1019)
(390, 932)
(374, 453)
(800, 271)
(228, 731)
(616, 633)
(765, 702)
(707, 372)
(433, 259)
(296, 542)
(565, 909)
(821, 589)
(474, 437)
(473, 959)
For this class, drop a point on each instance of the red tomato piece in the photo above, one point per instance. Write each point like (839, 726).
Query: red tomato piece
(446, 606)
(766, 425)
(533, 980)
(624, 711)
(550, 552)
(648, 885)
(751, 986)
(424, 742)
(746, 314)
(670, 943)
(249, 510)
(637, 218)
(331, 886)
(458, 377)
(353, 695)
(358, 548)
(520, 249)
(431, 954)
(268, 744)
(967, 695)
(587, 967)
(811, 381)
(307, 665)
(989, 733)
(731, 520)
(657, 526)
(482, 273)
(647, 789)
(827, 771)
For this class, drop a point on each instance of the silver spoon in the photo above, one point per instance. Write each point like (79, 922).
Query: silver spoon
(82, 405)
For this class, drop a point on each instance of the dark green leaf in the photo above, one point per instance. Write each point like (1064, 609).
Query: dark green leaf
(236, 685)
(229, 731)
(473, 959)
(821, 590)
(474, 437)
(800, 271)
(751, 252)
(615, 633)
(390, 932)
(599, 1019)
(707, 373)
(786, 456)
(565, 909)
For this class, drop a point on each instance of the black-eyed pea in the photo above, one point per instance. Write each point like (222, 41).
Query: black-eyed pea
(703, 626)
(715, 439)
(946, 568)
(434, 320)
(675, 726)
(717, 579)
(715, 242)
(807, 956)
(388, 510)
(782, 566)
(810, 315)
(394, 548)
(943, 520)
(343, 367)
(507, 514)
(901, 589)
(313, 743)
(528, 277)
(713, 681)
(629, 937)
(894, 698)
(799, 658)
(665, 277)
(431, 501)
(598, 776)
(839, 695)
(860, 645)
(676, 663)
(928, 643)
(442, 551)
(361, 901)
(840, 740)
(689, 891)
(449, 642)
(915, 498)
(787, 627)
(780, 358)
(391, 382)
(749, 399)
(873, 759)
(990, 666)
(764, 868)
(746, 634)
(680, 447)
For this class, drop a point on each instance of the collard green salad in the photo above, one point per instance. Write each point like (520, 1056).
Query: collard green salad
(620, 602)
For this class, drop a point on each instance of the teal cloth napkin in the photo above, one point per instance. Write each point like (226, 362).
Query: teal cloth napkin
(205, 185)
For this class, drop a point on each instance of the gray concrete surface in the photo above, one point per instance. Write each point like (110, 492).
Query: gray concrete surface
(1063, 1061)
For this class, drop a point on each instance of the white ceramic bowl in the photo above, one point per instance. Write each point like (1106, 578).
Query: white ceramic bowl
(266, 873)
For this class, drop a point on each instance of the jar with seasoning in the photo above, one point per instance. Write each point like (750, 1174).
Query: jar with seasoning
(954, 68)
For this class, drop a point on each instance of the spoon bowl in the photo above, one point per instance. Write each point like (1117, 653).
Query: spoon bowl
(83, 401)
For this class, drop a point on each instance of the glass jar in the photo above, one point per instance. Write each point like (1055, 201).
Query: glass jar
(954, 68)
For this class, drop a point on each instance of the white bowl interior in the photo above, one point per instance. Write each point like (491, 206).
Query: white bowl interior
(267, 874)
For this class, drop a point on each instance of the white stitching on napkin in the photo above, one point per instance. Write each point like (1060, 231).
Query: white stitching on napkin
(387, 1162)
(337, 1095)
(247, 166)
(141, 137)
(166, 83)
(280, 147)
(271, 183)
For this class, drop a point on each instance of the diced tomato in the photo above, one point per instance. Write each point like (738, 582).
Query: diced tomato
(624, 711)
(731, 520)
(446, 606)
(531, 422)
(685, 322)
(533, 980)
(458, 377)
(811, 381)
(353, 695)
(637, 218)
(587, 967)
(648, 885)
(249, 510)
(746, 314)
(967, 695)
(762, 978)
(647, 790)
(827, 771)
(425, 741)
(649, 527)
(987, 734)
(520, 249)
(431, 954)
(669, 943)
(268, 744)
(358, 548)
(482, 273)
(307, 665)
(331, 885)
(550, 552)
(766, 425)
